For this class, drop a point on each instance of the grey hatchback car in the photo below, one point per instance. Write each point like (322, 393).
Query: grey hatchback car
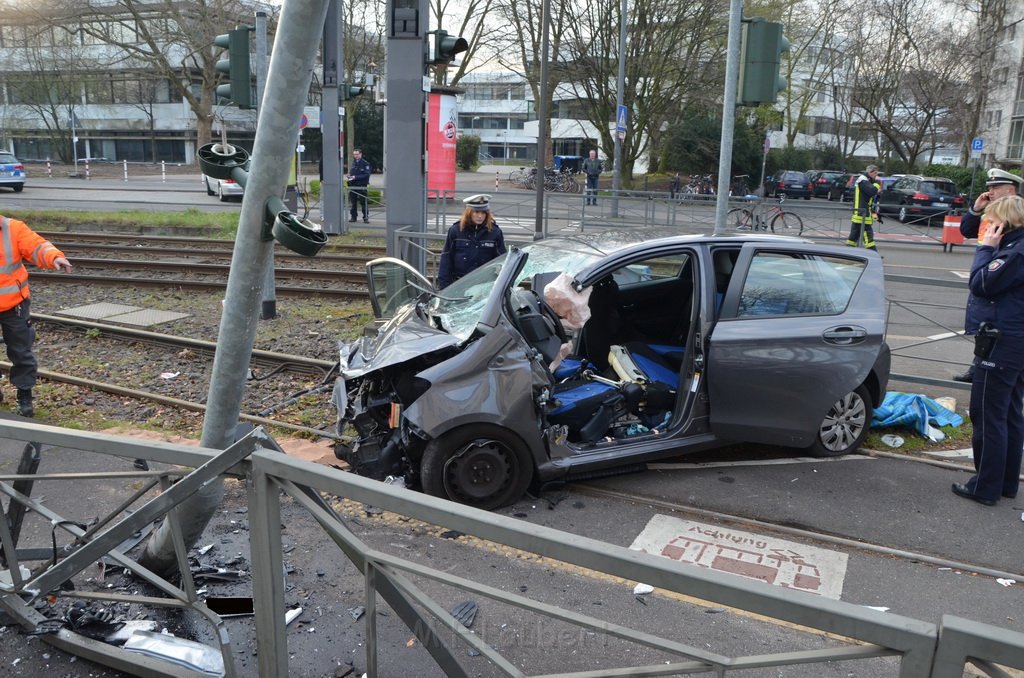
(683, 343)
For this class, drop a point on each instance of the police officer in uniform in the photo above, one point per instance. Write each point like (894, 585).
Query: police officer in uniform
(864, 191)
(996, 308)
(1000, 184)
(473, 240)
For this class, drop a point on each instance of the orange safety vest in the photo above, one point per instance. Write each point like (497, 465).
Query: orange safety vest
(19, 243)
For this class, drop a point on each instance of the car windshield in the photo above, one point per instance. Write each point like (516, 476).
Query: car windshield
(459, 308)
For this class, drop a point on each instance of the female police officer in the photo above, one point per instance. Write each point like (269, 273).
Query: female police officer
(996, 305)
(473, 240)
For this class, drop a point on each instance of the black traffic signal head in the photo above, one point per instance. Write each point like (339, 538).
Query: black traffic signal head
(444, 48)
(238, 89)
(350, 91)
(760, 59)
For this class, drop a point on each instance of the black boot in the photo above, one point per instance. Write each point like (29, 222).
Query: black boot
(25, 408)
(967, 377)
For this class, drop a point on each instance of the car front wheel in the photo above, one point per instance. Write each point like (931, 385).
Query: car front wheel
(904, 215)
(478, 465)
(845, 425)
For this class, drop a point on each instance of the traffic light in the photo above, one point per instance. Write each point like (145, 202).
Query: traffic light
(760, 58)
(350, 91)
(444, 48)
(238, 89)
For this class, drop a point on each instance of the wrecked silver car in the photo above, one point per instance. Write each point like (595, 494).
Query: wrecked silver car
(574, 356)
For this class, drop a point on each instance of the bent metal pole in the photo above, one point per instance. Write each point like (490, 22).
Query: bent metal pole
(291, 67)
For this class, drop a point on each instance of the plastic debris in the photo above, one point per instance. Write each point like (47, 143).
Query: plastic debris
(291, 615)
(892, 440)
(877, 608)
(169, 375)
(185, 653)
(356, 612)
(1007, 582)
(642, 589)
(465, 613)
(126, 630)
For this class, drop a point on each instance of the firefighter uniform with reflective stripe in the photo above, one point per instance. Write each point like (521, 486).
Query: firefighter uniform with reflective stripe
(19, 243)
(864, 192)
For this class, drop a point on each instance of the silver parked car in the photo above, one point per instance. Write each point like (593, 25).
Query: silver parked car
(223, 188)
(476, 391)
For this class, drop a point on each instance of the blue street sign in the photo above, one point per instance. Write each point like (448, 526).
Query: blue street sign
(620, 119)
(977, 144)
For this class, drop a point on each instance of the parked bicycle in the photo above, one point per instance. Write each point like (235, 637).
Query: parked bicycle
(762, 217)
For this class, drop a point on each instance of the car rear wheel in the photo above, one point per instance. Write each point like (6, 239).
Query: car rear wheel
(845, 425)
(479, 465)
(18, 187)
(220, 194)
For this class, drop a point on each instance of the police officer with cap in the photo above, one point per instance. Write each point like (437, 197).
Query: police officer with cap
(473, 240)
(1000, 183)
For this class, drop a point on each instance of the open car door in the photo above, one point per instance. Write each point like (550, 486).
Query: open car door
(392, 284)
(799, 328)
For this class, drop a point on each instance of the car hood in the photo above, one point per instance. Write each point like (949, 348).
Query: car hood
(411, 333)
(404, 337)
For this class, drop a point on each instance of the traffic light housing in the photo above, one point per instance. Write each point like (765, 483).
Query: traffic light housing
(760, 59)
(444, 48)
(350, 91)
(238, 89)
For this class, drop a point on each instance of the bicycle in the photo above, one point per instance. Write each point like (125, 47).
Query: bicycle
(763, 218)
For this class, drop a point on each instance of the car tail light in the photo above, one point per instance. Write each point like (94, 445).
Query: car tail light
(920, 196)
(959, 200)
(19, 166)
(228, 181)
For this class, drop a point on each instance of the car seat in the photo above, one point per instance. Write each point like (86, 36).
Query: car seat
(597, 335)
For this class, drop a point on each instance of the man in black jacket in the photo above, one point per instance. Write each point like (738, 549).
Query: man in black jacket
(592, 167)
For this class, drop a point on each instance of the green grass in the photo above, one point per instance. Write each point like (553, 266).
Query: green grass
(190, 217)
(956, 439)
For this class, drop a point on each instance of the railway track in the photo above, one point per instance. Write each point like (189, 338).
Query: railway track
(265, 366)
(169, 243)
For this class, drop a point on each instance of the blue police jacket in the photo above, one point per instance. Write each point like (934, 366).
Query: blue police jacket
(970, 224)
(465, 249)
(360, 172)
(997, 286)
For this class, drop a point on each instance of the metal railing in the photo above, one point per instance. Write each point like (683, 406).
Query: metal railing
(922, 649)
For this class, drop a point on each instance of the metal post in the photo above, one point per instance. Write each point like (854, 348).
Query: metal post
(619, 101)
(732, 64)
(404, 129)
(267, 568)
(330, 124)
(268, 305)
(291, 66)
(543, 123)
(125, 170)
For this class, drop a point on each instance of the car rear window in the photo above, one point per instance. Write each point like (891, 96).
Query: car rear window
(793, 176)
(780, 283)
(938, 187)
(7, 157)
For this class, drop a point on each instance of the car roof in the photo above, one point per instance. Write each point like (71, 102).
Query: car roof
(610, 241)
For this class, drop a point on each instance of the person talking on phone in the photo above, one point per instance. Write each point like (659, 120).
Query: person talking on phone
(996, 308)
(1000, 184)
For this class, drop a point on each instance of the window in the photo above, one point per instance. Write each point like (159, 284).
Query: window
(1015, 146)
(779, 283)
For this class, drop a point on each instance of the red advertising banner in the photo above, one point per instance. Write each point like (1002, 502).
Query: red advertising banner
(442, 133)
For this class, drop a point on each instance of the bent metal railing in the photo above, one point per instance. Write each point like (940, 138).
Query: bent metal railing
(923, 649)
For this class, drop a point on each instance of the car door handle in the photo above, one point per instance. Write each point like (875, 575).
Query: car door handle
(844, 336)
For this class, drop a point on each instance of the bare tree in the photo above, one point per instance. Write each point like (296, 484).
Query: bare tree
(172, 39)
(674, 59)
(905, 89)
(471, 19)
(364, 51)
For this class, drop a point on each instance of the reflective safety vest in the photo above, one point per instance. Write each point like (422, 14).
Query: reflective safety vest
(19, 243)
(863, 193)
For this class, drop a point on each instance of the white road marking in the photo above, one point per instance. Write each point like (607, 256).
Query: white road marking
(775, 561)
(944, 335)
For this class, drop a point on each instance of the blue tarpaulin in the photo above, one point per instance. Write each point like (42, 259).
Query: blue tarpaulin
(915, 411)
